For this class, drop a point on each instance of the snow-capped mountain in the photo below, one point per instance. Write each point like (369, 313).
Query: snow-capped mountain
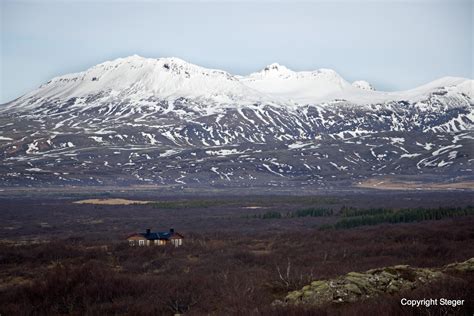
(139, 78)
(164, 121)
(301, 87)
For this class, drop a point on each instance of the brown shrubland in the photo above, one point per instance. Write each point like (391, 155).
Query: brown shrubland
(227, 273)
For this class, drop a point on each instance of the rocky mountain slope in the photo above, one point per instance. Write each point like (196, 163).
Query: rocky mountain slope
(168, 122)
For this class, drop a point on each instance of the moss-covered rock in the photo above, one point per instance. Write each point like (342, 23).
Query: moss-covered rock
(308, 293)
(352, 288)
(316, 284)
(362, 282)
(306, 287)
(293, 296)
(356, 285)
(466, 266)
(323, 286)
(356, 275)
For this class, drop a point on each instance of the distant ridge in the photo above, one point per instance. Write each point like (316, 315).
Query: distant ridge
(172, 78)
(145, 121)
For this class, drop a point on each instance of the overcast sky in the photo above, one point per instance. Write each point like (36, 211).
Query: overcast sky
(394, 45)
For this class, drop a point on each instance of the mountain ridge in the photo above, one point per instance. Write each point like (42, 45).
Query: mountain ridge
(172, 78)
(188, 126)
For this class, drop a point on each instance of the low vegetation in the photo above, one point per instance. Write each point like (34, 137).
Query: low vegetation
(355, 218)
(58, 257)
(254, 201)
(225, 273)
(311, 212)
(111, 202)
(188, 204)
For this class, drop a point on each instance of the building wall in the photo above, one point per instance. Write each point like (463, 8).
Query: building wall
(142, 241)
(137, 241)
(176, 241)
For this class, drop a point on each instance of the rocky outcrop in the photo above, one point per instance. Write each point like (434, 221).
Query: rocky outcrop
(356, 286)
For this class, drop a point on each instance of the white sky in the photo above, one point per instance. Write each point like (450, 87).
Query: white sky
(392, 44)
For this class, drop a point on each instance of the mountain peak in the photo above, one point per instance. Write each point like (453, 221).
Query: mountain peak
(140, 60)
(362, 84)
(136, 77)
(276, 67)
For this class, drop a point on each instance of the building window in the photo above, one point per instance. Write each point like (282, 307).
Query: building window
(177, 242)
(141, 243)
(131, 242)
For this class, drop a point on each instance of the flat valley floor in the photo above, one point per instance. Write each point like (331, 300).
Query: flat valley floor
(241, 252)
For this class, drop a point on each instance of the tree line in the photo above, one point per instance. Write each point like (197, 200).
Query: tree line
(371, 217)
(307, 212)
